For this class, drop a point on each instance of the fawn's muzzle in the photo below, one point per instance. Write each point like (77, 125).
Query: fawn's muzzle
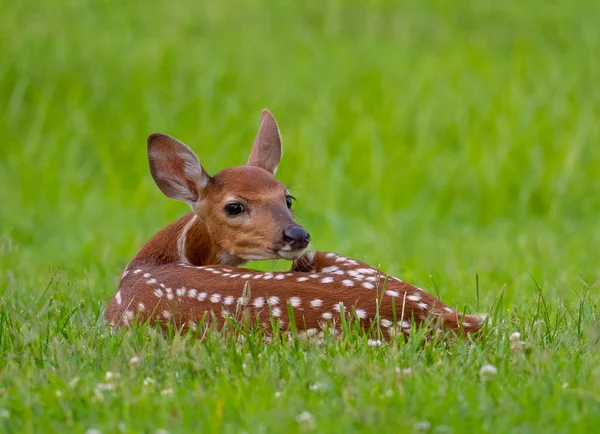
(296, 237)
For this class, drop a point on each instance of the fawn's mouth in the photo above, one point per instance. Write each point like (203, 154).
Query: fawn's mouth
(286, 252)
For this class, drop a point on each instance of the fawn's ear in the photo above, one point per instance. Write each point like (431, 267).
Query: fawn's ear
(175, 168)
(266, 150)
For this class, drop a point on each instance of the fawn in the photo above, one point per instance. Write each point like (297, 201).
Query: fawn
(191, 268)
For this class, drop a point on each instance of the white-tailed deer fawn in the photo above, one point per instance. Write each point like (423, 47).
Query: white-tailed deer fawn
(190, 268)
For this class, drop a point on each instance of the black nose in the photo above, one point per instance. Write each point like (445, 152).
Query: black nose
(296, 237)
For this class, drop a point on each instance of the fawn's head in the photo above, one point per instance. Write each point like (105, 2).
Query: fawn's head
(247, 212)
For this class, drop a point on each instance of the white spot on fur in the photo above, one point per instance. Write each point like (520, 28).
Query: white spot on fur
(423, 306)
(414, 298)
(405, 324)
(151, 281)
(229, 300)
(294, 301)
(268, 276)
(158, 292)
(192, 293)
(327, 315)
(215, 298)
(338, 306)
(146, 275)
(365, 270)
(201, 296)
(242, 301)
(301, 279)
(327, 280)
(246, 276)
(361, 313)
(392, 293)
(141, 307)
(330, 255)
(347, 282)
(313, 276)
(368, 285)
(447, 309)
(138, 271)
(330, 269)
(276, 312)
(273, 300)
(118, 297)
(125, 273)
(385, 323)
(257, 276)
(258, 302)
(166, 314)
(340, 259)
(180, 292)
(317, 302)
(279, 276)
(234, 275)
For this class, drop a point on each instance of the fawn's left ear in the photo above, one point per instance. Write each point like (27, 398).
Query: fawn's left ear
(176, 169)
(266, 150)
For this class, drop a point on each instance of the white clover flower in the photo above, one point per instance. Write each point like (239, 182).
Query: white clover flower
(92, 431)
(423, 425)
(134, 362)
(166, 392)
(515, 337)
(515, 341)
(148, 381)
(488, 372)
(4, 413)
(306, 419)
(374, 342)
(277, 394)
(100, 387)
(73, 382)
(111, 375)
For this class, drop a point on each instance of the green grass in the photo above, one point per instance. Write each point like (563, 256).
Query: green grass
(453, 143)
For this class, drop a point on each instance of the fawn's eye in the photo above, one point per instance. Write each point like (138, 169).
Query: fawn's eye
(288, 200)
(233, 209)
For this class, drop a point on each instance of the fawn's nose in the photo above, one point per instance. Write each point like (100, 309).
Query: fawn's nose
(296, 237)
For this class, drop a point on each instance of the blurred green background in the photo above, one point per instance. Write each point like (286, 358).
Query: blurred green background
(442, 139)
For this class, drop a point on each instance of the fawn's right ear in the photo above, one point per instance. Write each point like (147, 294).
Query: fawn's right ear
(176, 169)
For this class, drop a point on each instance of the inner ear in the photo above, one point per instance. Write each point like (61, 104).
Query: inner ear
(266, 150)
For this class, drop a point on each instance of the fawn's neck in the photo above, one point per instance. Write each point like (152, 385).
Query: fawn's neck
(186, 240)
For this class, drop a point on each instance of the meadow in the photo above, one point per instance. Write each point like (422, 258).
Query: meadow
(453, 144)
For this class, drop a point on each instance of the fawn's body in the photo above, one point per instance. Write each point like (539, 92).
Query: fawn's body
(190, 268)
